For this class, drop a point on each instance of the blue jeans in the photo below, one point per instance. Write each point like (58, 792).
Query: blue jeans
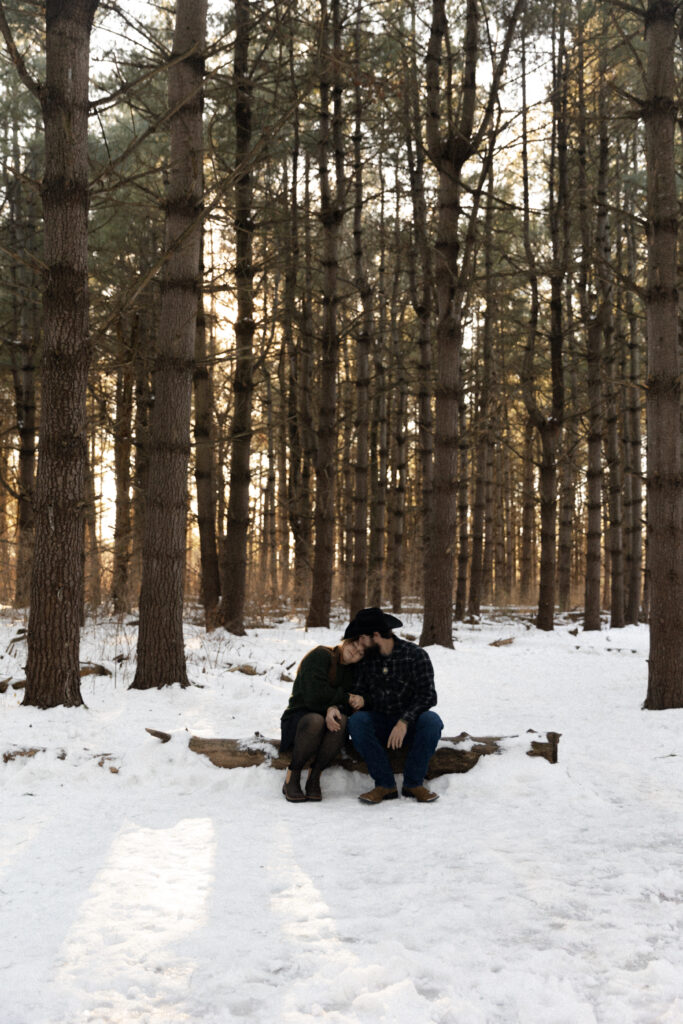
(369, 734)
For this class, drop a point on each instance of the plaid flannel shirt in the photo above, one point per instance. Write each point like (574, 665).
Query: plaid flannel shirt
(400, 685)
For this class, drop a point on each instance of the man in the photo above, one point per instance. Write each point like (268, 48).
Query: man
(394, 692)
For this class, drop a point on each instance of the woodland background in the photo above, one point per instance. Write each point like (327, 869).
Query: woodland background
(344, 301)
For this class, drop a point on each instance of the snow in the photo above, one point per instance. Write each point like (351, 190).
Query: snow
(140, 883)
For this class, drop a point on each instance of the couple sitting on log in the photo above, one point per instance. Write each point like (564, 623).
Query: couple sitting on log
(378, 686)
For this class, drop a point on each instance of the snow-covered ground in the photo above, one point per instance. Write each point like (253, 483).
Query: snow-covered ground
(139, 883)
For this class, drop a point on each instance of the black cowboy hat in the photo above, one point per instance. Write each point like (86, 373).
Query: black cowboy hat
(370, 620)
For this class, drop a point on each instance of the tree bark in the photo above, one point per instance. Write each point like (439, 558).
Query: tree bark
(664, 483)
(421, 291)
(380, 423)
(234, 571)
(399, 447)
(528, 516)
(22, 352)
(24, 374)
(205, 469)
(593, 479)
(364, 344)
(52, 669)
(634, 534)
(549, 424)
(92, 595)
(123, 444)
(449, 151)
(160, 651)
(331, 215)
(483, 426)
(296, 500)
(605, 291)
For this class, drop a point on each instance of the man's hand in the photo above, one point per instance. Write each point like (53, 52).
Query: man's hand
(356, 701)
(333, 719)
(397, 735)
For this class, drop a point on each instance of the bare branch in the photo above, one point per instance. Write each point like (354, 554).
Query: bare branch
(24, 74)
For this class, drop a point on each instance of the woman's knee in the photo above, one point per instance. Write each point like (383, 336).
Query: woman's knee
(311, 723)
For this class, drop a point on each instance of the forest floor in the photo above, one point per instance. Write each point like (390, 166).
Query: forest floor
(139, 883)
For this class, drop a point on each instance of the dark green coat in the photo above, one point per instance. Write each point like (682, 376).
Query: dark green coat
(313, 690)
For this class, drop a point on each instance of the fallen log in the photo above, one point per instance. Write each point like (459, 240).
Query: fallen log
(455, 754)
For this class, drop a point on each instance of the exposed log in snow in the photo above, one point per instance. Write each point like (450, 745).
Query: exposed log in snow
(455, 753)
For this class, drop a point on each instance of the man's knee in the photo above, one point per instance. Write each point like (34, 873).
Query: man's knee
(430, 724)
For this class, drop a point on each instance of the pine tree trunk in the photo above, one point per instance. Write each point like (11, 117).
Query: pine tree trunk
(6, 568)
(161, 653)
(440, 557)
(566, 531)
(234, 569)
(22, 352)
(634, 535)
(463, 508)
(398, 456)
(380, 417)
(269, 536)
(204, 468)
(93, 571)
(664, 484)
(593, 479)
(398, 506)
(359, 571)
(290, 453)
(24, 373)
(615, 498)
(345, 510)
(52, 669)
(548, 424)
(449, 151)
(303, 550)
(282, 493)
(331, 215)
(421, 291)
(378, 481)
(569, 469)
(500, 596)
(143, 406)
(123, 418)
(297, 517)
(594, 336)
(482, 423)
(528, 518)
(604, 258)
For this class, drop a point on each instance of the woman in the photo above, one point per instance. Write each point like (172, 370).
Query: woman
(314, 724)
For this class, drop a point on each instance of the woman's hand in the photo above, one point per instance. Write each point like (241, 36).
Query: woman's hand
(356, 701)
(333, 719)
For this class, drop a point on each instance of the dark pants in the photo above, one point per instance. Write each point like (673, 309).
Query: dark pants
(369, 734)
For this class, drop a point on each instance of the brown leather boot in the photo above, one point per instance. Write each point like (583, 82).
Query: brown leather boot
(292, 787)
(313, 791)
(378, 794)
(421, 794)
